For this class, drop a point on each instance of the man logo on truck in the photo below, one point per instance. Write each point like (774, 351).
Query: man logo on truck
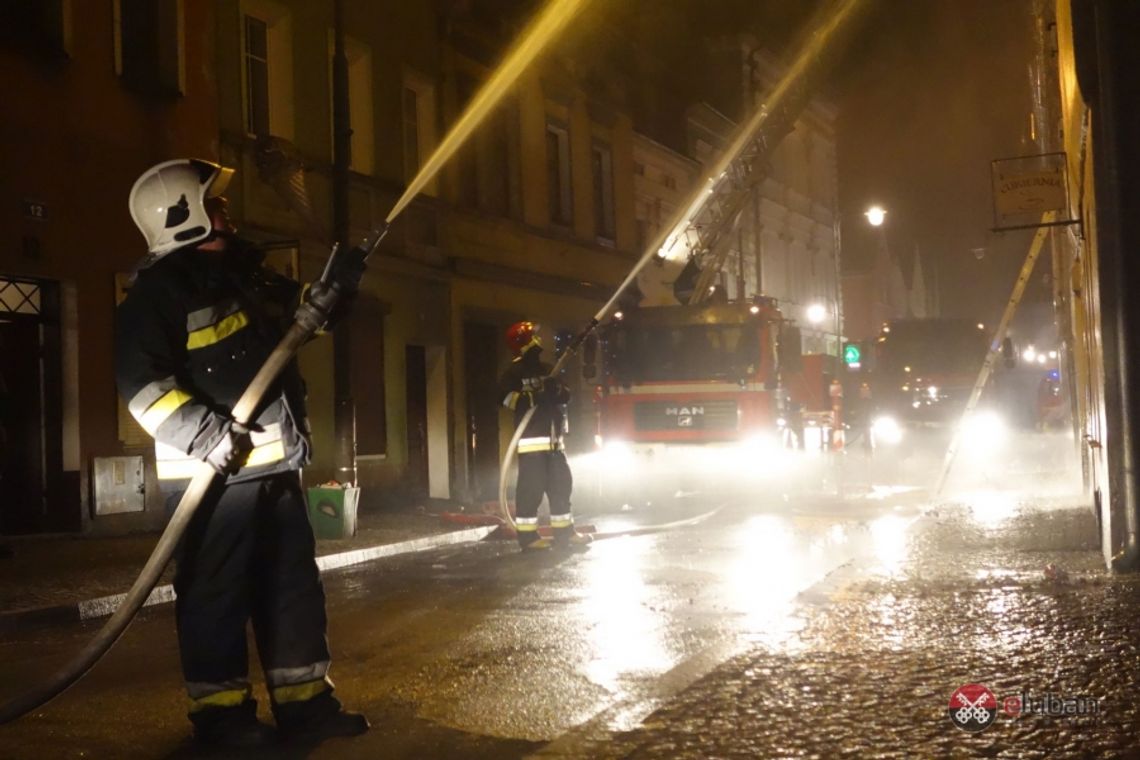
(684, 414)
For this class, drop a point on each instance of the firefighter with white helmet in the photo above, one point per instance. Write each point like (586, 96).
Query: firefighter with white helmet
(543, 469)
(199, 320)
(169, 203)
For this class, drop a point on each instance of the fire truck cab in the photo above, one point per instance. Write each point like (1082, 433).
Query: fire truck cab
(684, 374)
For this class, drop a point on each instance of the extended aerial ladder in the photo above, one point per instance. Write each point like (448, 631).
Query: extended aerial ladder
(704, 230)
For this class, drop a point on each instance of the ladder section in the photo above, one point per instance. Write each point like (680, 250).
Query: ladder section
(711, 227)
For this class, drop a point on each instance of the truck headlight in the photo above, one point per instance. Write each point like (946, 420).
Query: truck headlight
(886, 430)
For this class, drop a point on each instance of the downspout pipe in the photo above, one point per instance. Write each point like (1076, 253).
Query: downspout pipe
(1116, 121)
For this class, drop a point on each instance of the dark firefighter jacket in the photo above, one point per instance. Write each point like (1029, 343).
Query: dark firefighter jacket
(193, 331)
(521, 387)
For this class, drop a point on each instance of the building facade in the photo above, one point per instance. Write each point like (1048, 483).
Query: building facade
(875, 296)
(532, 219)
(92, 100)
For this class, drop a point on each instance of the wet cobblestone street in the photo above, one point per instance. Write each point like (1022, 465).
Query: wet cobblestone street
(873, 669)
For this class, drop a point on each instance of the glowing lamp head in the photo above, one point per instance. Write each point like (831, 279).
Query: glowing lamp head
(876, 215)
(816, 313)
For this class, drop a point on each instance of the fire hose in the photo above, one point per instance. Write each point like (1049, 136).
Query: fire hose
(310, 316)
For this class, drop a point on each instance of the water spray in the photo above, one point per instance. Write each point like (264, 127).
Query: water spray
(544, 28)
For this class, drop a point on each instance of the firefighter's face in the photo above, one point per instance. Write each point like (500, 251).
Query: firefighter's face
(218, 210)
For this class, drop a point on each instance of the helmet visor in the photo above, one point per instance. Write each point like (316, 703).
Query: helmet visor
(220, 182)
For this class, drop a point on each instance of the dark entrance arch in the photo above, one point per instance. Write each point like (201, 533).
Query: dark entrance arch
(30, 409)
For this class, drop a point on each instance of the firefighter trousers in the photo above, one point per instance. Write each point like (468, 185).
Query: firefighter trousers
(543, 473)
(248, 555)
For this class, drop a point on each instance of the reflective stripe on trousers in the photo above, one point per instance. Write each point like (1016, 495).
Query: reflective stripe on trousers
(298, 684)
(539, 443)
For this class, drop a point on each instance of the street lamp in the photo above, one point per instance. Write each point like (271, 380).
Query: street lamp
(876, 215)
(818, 313)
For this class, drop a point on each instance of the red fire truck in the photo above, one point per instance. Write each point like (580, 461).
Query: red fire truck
(712, 373)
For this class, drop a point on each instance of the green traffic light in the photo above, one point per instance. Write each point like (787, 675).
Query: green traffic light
(851, 354)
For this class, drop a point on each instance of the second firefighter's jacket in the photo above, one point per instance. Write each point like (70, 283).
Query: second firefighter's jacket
(521, 387)
(194, 329)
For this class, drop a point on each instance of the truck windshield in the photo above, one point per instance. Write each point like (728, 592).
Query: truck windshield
(691, 352)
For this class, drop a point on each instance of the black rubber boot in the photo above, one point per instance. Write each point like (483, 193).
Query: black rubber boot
(232, 727)
(317, 719)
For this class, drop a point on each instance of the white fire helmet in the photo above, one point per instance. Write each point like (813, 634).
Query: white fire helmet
(167, 202)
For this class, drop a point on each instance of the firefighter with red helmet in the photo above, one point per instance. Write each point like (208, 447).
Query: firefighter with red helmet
(543, 469)
(198, 322)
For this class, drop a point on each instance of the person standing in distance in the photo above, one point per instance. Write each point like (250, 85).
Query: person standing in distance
(543, 469)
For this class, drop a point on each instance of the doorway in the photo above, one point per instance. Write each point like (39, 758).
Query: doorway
(429, 468)
(480, 351)
(31, 432)
(415, 363)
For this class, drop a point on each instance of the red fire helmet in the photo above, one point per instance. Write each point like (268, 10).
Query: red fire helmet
(521, 336)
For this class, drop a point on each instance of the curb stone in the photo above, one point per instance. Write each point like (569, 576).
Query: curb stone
(89, 609)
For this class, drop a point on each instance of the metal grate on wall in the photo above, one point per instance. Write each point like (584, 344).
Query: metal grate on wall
(20, 297)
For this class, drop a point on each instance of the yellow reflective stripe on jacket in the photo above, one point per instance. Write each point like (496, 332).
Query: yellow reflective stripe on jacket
(211, 315)
(266, 454)
(176, 469)
(184, 467)
(298, 692)
(160, 410)
(208, 336)
(227, 698)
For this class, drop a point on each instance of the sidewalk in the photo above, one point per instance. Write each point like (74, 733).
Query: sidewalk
(58, 578)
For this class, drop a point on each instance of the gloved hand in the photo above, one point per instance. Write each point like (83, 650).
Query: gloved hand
(324, 297)
(231, 450)
(344, 281)
(348, 272)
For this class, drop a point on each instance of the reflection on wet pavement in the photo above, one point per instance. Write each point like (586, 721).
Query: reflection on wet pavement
(618, 613)
(967, 599)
